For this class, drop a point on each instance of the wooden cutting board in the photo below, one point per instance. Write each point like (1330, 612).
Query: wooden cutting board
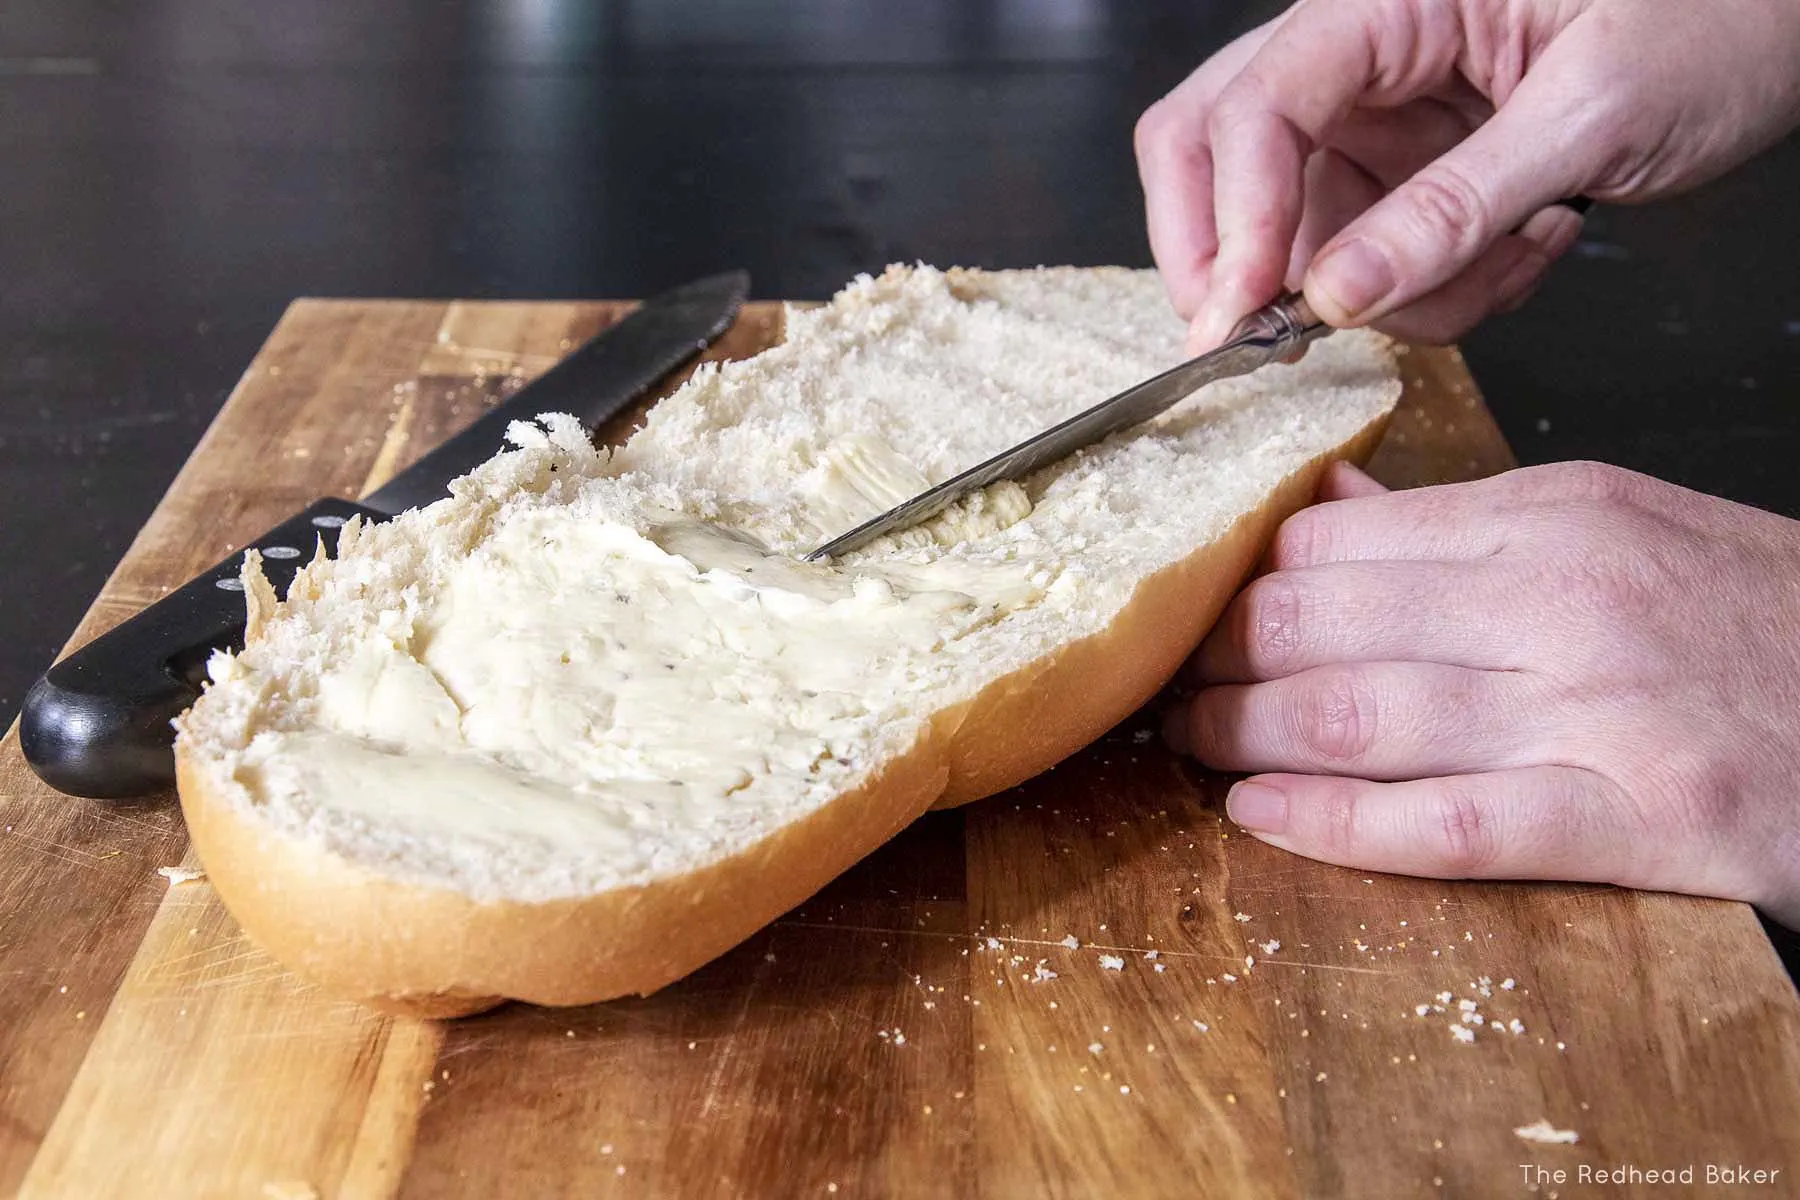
(891, 1037)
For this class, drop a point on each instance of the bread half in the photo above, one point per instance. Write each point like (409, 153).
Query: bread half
(588, 723)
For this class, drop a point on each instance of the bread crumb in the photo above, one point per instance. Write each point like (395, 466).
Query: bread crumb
(1228, 978)
(1153, 954)
(1095, 1047)
(1039, 975)
(1508, 984)
(1319, 1078)
(1124, 1089)
(1202, 1026)
(180, 875)
(290, 1189)
(1159, 968)
(1461, 1033)
(606, 1149)
(1241, 917)
(1543, 1131)
(1271, 946)
(1071, 941)
(1112, 962)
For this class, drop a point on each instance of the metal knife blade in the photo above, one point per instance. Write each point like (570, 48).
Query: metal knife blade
(593, 382)
(97, 723)
(1267, 335)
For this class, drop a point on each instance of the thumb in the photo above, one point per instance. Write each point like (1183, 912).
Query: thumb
(1527, 823)
(1435, 225)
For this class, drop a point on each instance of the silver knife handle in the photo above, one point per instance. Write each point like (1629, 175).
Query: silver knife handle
(1285, 324)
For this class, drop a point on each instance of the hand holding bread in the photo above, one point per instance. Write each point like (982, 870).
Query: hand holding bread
(1564, 672)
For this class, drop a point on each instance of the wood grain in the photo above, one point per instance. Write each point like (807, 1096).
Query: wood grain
(895, 1036)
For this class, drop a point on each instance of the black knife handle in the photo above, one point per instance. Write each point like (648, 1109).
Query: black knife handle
(97, 723)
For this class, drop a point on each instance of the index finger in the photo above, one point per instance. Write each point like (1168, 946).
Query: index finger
(1297, 88)
(1175, 167)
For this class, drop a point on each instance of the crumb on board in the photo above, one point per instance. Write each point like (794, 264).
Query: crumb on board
(1112, 962)
(289, 1189)
(1070, 941)
(1544, 1132)
(1461, 1032)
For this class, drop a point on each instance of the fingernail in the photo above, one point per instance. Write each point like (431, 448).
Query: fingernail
(1258, 807)
(1356, 276)
(1175, 730)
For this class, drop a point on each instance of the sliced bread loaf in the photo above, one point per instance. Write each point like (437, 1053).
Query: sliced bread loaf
(589, 722)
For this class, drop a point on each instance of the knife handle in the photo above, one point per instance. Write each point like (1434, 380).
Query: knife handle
(97, 723)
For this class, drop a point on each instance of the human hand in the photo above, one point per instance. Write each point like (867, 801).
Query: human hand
(1402, 159)
(1564, 672)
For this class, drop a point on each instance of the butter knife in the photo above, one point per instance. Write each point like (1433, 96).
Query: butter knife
(1267, 335)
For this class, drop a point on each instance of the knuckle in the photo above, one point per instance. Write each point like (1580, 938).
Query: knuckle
(1154, 130)
(1272, 633)
(1335, 811)
(1593, 481)
(1240, 107)
(1468, 832)
(1334, 715)
(1309, 536)
(1449, 206)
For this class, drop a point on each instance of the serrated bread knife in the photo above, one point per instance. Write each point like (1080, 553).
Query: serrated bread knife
(97, 723)
(1267, 335)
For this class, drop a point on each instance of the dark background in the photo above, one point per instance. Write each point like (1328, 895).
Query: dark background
(173, 172)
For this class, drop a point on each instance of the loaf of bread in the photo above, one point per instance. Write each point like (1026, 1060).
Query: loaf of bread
(589, 722)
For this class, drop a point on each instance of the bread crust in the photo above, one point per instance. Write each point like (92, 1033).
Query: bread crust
(424, 951)
(432, 952)
(1025, 723)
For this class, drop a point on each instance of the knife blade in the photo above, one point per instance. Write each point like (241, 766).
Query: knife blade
(97, 723)
(1267, 335)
